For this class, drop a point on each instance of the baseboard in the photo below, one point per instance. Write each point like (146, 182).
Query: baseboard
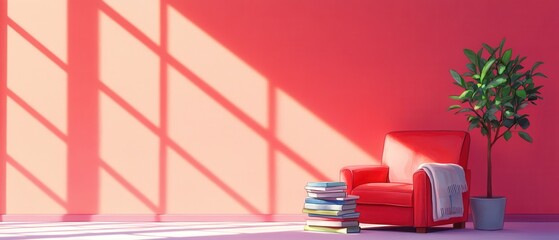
(532, 218)
(209, 218)
(151, 218)
(527, 218)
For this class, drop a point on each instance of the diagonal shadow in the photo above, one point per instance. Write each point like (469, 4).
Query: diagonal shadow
(247, 120)
(44, 121)
(35, 114)
(128, 186)
(130, 28)
(43, 187)
(211, 176)
(33, 41)
(210, 91)
(165, 57)
(129, 108)
(178, 149)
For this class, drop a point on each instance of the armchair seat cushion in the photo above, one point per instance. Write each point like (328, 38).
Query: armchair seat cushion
(391, 194)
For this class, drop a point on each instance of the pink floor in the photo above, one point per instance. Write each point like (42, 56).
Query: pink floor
(260, 230)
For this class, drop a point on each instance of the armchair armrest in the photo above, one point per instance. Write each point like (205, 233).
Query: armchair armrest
(422, 199)
(361, 174)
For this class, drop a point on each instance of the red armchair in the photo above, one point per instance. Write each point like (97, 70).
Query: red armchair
(394, 192)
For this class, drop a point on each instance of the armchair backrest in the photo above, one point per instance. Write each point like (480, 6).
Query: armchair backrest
(404, 151)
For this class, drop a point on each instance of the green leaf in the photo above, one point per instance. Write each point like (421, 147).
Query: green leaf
(466, 94)
(473, 124)
(476, 76)
(471, 67)
(515, 77)
(486, 67)
(457, 77)
(483, 131)
(471, 56)
(495, 124)
(524, 123)
(454, 107)
(498, 101)
(509, 113)
(501, 46)
(481, 60)
(490, 114)
(507, 135)
(540, 74)
(489, 48)
(536, 65)
(480, 104)
(505, 90)
(506, 100)
(509, 105)
(465, 110)
(521, 93)
(525, 136)
(455, 97)
(506, 56)
(507, 122)
(502, 69)
(496, 82)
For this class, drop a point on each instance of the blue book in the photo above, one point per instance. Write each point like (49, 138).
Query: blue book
(329, 202)
(325, 184)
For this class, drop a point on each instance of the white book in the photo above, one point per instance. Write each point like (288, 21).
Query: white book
(325, 191)
(326, 188)
(329, 206)
(344, 198)
(326, 195)
(323, 201)
(346, 215)
(323, 223)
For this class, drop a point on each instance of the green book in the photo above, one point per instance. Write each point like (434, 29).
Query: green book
(328, 212)
(354, 229)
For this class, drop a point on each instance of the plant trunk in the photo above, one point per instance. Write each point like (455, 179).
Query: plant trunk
(489, 176)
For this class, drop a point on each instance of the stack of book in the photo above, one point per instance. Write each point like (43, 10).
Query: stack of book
(330, 209)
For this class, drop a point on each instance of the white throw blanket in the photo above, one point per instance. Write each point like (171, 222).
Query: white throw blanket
(448, 181)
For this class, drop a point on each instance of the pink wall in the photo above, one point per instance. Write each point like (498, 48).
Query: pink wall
(196, 107)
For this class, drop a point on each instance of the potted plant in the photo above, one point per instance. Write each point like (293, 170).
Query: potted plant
(494, 91)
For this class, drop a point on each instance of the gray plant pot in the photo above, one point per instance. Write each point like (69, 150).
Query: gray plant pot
(488, 213)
